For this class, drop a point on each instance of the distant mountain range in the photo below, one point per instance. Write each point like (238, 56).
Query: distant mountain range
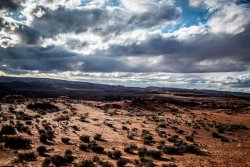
(44, 87)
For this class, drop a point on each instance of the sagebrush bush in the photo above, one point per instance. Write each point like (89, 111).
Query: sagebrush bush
(17, 142)
(97, 149)
(130, 149)
(41, 150)
(46, 162)
(147, 162)
(83, 147)
(85, 138)
(43, 138)
(98, 137)
(58, 160)
(115, 154)
(26, 156)
(8, 130)
(65, 140)
(147, 138)
(121, 162)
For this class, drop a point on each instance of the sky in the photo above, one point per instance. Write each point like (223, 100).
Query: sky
(194, 44)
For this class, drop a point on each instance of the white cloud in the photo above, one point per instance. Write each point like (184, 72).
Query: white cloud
(187, 33)
(231, 19)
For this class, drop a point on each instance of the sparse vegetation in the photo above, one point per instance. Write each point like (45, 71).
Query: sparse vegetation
(85, 138)
(130, 132)
(41, 150)
(65, 140)
(147, 138)
(98, 137)
(17, 142)
(8, 130)
(30, 156)
(114, 154)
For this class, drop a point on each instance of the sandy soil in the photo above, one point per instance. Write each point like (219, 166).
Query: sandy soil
(110, 119)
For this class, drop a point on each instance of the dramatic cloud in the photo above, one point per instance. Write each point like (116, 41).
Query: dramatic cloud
(9, 4)
(143, 36)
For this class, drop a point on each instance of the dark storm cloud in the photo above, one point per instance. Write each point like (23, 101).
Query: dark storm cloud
(9, 4)
(69, 20)
(225, 52)
(101, 21)
(155, 17)
(51, 58)
(28, 35)
(208, 52)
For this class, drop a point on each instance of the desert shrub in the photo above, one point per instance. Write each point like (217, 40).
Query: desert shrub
(41, 150)
(22, 128)
(28, 122)
(130, 135)
(121, 162)
(180, 131)
(154, 154)
(83, 147)
(216, 135)
(17, 142)
(146, 137)
(8, 130)
(147, 162)
(191, 148)
(173, 139)
(68, 152)
(65, 140)
(162, 134)
(86, 163)
(50, 134)
(98, 137)
(142, 151)
(43, 106)
(43, 138)
(124, 127)
(110, 124)
(220, 129)
(46, 162)
(13, 99)
(58, 160)
(26, 156)
(189, 138)
(162, 125)
(181, 149)
(130, 149)
(115, 154)
(170, 150)
(160, 144)
(95, 147)
(85, 138)
(235, 127)
(75, 128)
(41, 131)
(83, 118)
(68, 158)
